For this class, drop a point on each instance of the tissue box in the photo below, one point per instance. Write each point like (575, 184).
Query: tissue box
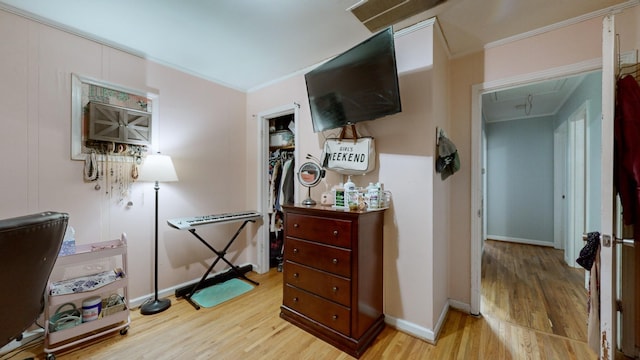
(68, 248)
(68, 242)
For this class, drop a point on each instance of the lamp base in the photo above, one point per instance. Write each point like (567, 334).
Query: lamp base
(154, 307)
(308, 202)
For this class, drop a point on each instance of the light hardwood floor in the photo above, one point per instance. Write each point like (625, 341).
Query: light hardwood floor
(513, 326)
(531, 286)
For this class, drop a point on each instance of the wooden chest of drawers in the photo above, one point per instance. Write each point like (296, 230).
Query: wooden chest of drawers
(333, 274)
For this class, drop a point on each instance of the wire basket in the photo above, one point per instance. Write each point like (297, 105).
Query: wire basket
(113, 304)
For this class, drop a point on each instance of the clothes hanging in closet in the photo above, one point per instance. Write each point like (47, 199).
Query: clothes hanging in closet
(281, 180)
(281, 191)
(286, 185)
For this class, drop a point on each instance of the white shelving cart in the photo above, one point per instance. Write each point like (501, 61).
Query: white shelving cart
(88, 260)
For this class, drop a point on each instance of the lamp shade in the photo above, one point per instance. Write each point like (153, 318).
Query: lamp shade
(157, 167)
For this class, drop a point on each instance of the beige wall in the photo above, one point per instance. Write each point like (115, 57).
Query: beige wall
(463, 74)
(629, 25)
(196, 120)
(441, 188)
(555, 49)
(405, 144)
(561, 47)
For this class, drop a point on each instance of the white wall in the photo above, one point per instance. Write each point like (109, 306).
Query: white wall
(520, 180)
(589, 91)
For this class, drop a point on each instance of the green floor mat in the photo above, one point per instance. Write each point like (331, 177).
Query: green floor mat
(219, 293)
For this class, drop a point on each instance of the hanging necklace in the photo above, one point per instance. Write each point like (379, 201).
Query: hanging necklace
(91, 167)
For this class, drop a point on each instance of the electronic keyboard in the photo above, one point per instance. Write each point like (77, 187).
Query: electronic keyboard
(187, 223)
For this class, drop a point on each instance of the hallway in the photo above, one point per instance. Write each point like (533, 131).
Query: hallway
(531, 286)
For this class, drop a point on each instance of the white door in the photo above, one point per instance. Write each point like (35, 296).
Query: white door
(560, 188)
(576, 191)
(483, 179)
(607, 247)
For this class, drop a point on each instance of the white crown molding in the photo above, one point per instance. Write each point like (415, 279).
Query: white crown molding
(111, 44)
(562, 24)
(561, 71)
(437, 30)
(396, 34)
(415, 27)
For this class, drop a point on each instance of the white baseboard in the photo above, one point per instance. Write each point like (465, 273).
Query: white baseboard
(520, 240)
(459, 305)
(421, 332)
(441, 319)
(412, 329)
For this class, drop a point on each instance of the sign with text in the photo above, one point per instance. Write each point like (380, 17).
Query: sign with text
(349, 156)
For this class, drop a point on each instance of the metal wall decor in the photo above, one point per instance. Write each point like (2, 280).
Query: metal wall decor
(111, 130)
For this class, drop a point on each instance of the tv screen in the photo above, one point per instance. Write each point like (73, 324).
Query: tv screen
(358, 85)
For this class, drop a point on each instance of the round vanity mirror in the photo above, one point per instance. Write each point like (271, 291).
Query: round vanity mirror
(310, 175)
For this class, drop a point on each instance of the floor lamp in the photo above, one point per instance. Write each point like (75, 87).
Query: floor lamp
(156, 168)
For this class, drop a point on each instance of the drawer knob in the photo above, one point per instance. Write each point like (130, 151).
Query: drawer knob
(295, 275)
(335, 232)
(334, 260)
(335, 289)
(295, 299)
(295, 250)
(334, 317)
(296, 225)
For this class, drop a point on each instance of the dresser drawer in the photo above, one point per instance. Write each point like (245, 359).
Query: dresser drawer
(321, 310)
(326, 285)
(328, 231)
(328, 258)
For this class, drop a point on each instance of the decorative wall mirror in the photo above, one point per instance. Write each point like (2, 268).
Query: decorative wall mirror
(108, 118)
(310, 175)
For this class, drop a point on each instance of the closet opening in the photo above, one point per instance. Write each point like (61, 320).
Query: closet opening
(281, 181)
(278, 155)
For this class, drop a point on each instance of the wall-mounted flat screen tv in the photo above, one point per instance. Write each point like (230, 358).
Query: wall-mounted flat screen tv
(358, 85)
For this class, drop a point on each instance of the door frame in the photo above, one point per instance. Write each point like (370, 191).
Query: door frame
(477, 156)
(608, 313)
(262, 261)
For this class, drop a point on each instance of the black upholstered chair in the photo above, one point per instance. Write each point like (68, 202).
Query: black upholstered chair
(29, 247)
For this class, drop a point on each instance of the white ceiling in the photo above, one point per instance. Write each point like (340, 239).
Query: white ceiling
(530, 101)
(246, 44)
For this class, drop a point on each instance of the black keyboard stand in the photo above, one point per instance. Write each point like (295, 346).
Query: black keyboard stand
(220, 256)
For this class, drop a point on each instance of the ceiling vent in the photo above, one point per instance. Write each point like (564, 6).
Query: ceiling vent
(379, 14)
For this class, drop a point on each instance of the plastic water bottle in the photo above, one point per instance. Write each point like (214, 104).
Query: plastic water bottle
(373, 193)
(351, 193)
(382, 198)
